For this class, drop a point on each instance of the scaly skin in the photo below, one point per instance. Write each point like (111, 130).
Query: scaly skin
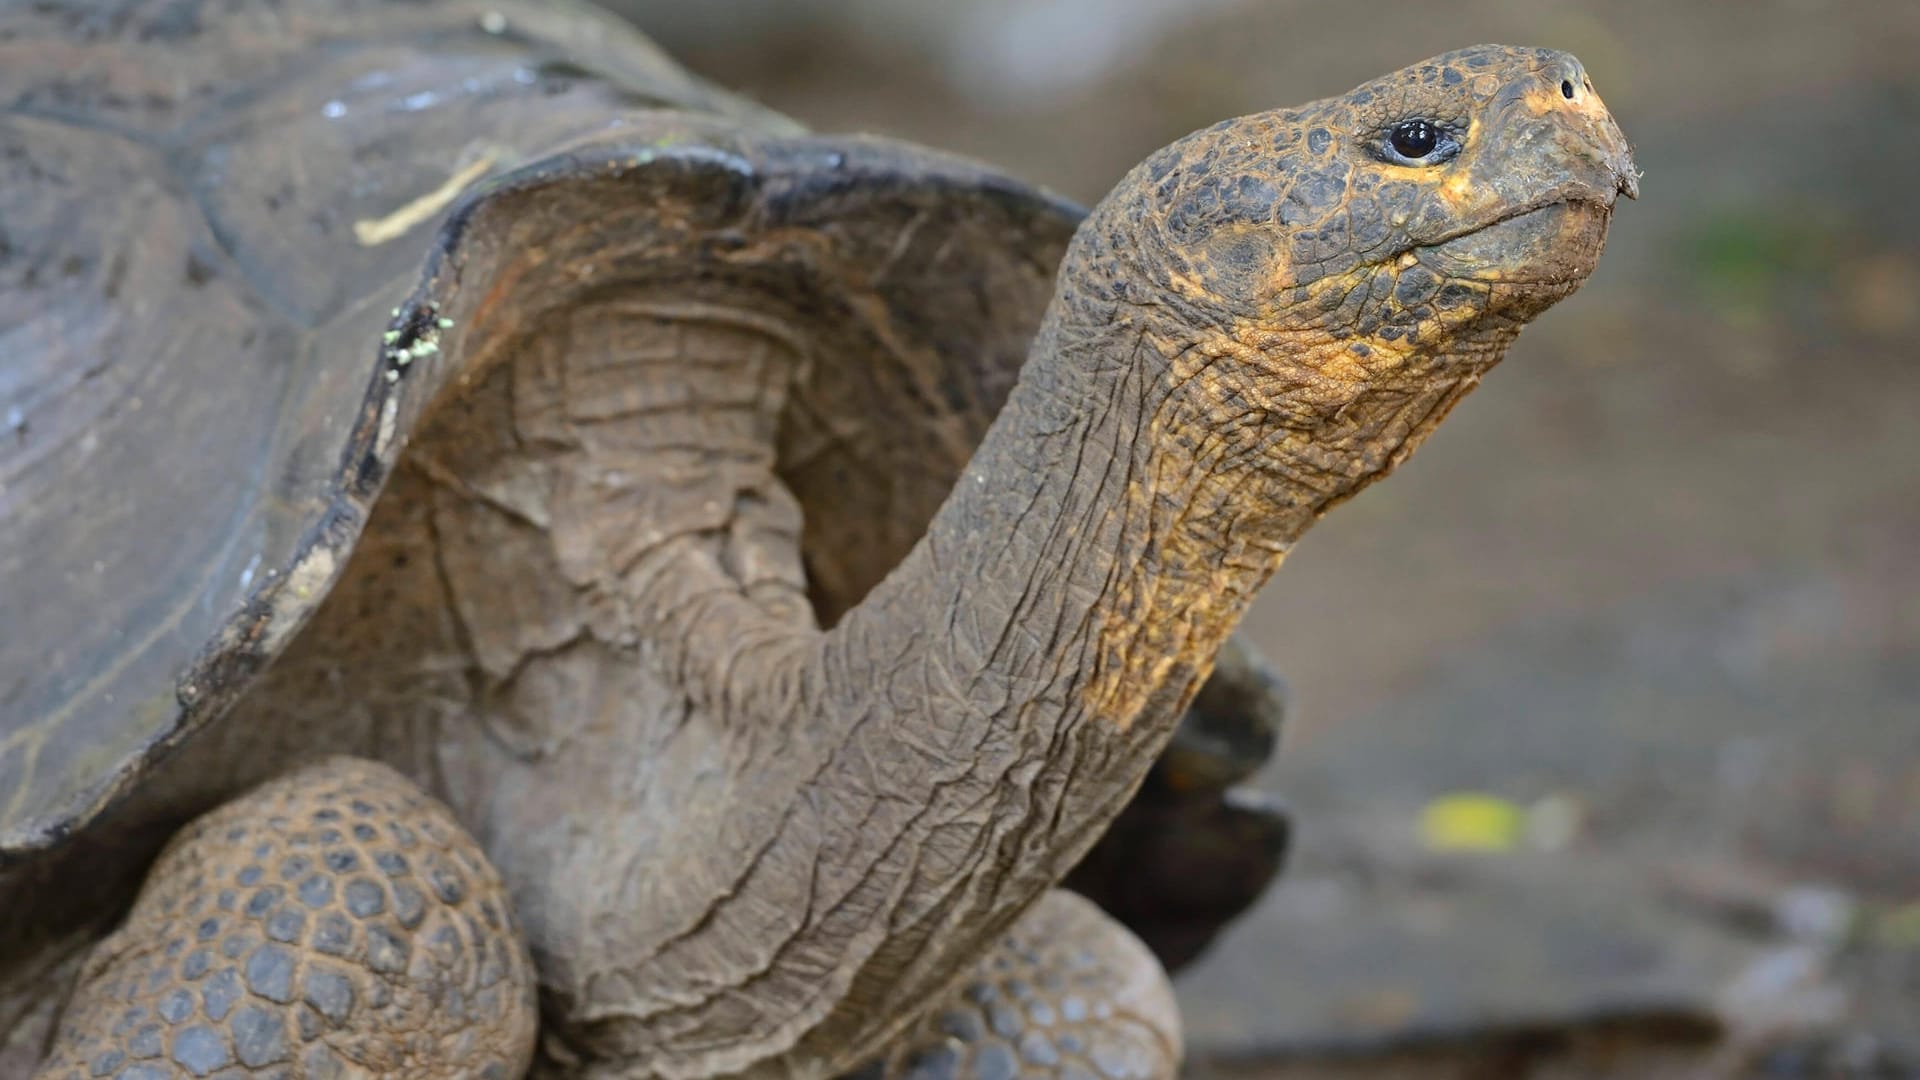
(1066, 993)
(333, 924)
(742, 844)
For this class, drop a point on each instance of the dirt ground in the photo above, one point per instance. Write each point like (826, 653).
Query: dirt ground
(1639, 629)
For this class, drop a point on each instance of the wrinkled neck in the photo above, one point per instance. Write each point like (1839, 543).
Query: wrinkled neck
(1145, 479)
(1099, 547)
(1001, 694)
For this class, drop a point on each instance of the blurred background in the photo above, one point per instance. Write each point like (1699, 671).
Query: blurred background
(1606, 754)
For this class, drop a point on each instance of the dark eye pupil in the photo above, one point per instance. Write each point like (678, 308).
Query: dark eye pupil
(1566, 89)
(1415, 138)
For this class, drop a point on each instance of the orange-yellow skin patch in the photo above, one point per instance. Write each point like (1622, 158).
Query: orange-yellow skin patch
(1317, 320)
(1300, 380)
(1458, 190)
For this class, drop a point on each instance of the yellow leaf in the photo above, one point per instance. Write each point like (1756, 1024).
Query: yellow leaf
(1469, 821)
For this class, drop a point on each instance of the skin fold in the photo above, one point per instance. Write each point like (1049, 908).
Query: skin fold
(742, 843)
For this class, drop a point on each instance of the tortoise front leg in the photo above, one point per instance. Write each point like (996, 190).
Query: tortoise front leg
(1067, 994)
(334, 923)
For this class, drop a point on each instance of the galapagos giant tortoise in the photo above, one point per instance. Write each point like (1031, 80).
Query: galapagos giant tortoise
(565, 557)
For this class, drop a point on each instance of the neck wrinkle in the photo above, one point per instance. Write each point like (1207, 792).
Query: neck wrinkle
(1092, 558)
(1003, 692)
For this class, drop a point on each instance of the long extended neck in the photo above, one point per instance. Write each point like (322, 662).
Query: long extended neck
(899, 788)
(1016, 675)
(1092, 557)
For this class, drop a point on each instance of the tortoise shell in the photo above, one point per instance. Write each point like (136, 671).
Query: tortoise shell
(246, 250)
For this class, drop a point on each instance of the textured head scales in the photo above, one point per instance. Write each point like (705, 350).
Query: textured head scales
(1313, 264)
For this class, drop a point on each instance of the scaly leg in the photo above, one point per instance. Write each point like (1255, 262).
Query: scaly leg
(334, 923)
(1067, 994)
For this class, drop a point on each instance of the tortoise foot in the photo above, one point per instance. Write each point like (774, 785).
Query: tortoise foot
(1068, 993)
(334, 923)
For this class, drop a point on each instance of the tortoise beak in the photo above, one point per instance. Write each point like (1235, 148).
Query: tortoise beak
(1591, 132)
(1555, 131)
(1629, 178)
(1609, 147)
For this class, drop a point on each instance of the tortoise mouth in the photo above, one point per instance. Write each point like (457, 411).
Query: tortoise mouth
(1553, 243)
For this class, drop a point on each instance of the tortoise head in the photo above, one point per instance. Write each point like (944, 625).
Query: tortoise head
(1306, 264)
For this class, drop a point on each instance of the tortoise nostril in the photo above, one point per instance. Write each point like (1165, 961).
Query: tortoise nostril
(1566, 89)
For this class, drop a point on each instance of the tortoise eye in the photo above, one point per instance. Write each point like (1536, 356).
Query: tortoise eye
(1418, 142)
(1415, 138)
